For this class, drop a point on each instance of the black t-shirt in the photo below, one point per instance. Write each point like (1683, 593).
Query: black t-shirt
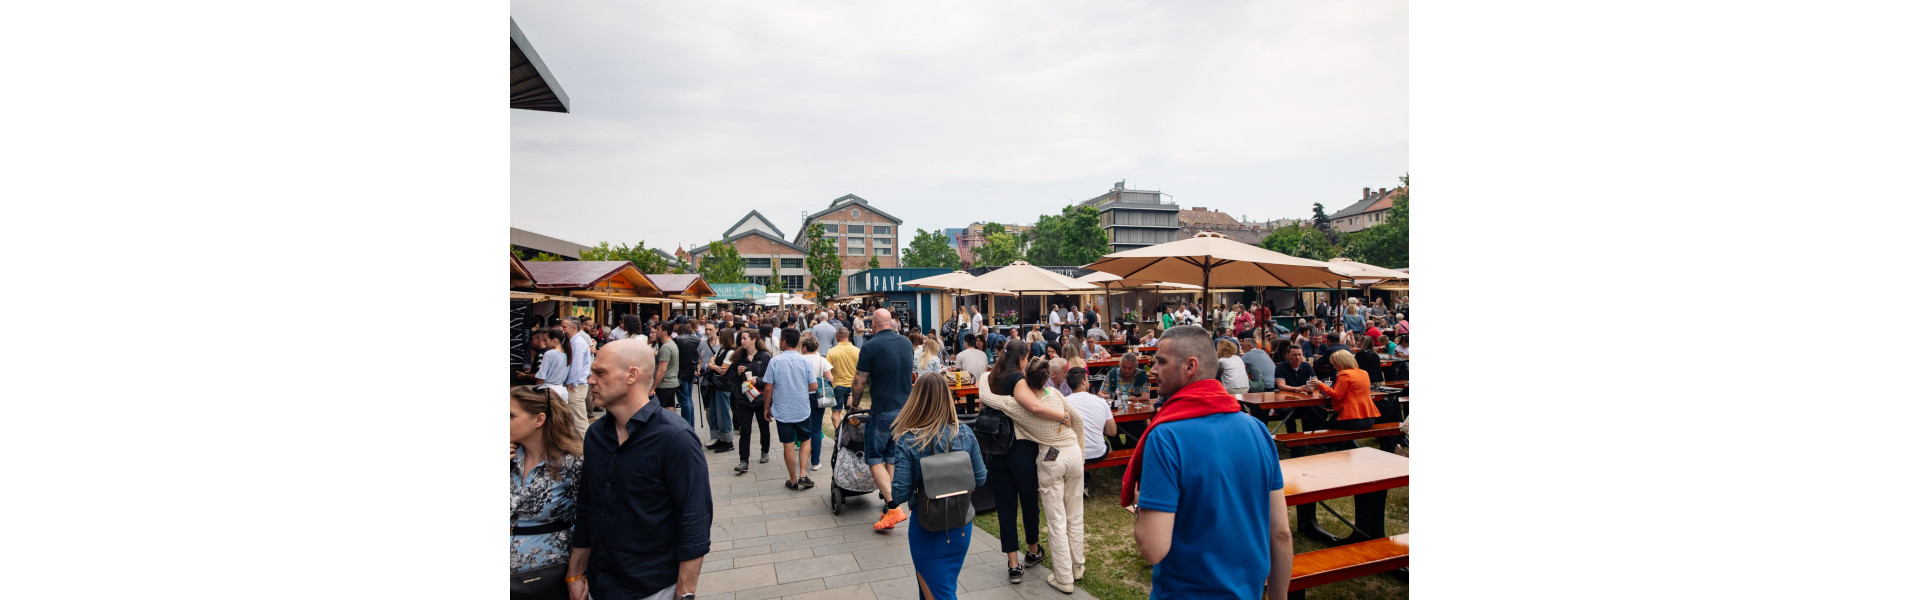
(1002, 384)
(887, 359)
(1370, 363)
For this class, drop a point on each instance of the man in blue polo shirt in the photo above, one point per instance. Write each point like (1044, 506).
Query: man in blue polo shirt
(886, 363)
(1212, 516)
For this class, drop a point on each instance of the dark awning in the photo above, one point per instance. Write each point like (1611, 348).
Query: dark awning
(534, 87)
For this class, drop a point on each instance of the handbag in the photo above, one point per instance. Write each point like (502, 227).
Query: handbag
(545, 583)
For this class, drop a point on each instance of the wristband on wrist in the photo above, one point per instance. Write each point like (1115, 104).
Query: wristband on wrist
(580, 577)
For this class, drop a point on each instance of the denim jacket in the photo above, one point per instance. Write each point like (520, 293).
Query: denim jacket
(905, 460)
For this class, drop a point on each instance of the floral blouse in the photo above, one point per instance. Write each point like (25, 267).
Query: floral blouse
(540, 499)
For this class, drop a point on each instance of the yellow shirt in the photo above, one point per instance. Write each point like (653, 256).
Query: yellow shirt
(844, 357)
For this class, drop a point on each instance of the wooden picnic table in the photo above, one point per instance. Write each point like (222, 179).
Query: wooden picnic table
(1364, 473)
(1113, 362)
(1281, 399)
(1135, 411)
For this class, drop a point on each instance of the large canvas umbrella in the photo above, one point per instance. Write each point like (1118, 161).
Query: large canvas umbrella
(1210, 259)
(1020, 277)
(953, 282)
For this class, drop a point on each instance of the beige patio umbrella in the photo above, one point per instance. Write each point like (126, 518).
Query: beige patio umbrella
(1020, 277)
(1364, 275)
(1210, 259)
(954, 282)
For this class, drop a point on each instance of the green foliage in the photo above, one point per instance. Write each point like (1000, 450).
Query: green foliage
(1304, 242)
(516, 252)
(992, 228)
(1001, 249)
(930, 250)
(773, 284)
(874, 263)
(1074, 237)
(545, 257)
(1315, 246)
(723, 264)
(646, 260)
(1320, 219)
(823, 261)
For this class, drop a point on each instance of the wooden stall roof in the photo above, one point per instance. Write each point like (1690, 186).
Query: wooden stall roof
(520, 276)
(688, 285)
(602, 279)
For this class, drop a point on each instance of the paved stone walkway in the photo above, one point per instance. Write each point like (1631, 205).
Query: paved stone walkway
(771, 542)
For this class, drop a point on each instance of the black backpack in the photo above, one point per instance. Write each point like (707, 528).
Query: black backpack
(994, 430)
(689, 357)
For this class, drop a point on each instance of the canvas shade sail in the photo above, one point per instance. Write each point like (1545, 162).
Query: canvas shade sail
(1021, 278)
(1358, 270)
(1211, 260)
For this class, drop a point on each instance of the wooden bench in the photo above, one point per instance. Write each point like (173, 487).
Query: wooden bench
(1308, 438)
(1114, 458)
(1340, 563)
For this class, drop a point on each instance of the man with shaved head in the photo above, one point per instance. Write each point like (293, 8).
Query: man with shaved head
(886, 363)
(645, 510)
(1200, 507)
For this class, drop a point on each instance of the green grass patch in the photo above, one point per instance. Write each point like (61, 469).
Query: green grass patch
(1116, 571)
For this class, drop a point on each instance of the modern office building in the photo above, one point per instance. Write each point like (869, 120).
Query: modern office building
(1136, 218)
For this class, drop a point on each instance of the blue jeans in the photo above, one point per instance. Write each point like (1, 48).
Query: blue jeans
(686, 403)
(719, 413)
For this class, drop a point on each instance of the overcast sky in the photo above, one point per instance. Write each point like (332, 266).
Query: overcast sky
(686, 115)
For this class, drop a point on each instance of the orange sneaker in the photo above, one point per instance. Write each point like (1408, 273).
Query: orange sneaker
(890, 518)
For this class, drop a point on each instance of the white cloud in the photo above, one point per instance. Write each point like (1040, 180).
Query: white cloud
(686, 115)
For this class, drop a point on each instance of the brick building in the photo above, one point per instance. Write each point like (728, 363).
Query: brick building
(1135, 218)
(1198, 219)
(1371, 210)
(860, 231)
(760, 244)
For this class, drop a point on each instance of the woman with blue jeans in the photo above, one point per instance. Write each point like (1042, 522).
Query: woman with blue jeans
(719, 392)
(927, 426)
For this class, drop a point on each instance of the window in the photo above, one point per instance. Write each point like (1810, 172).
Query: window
(882, 230)
(856, 215)
(793, 263)
(856, 251)
(759, 263)
(759, 279)
(856, 228)
(882, 241)
(833, 229)
(883, 251)
(793, 283)
(856, 242)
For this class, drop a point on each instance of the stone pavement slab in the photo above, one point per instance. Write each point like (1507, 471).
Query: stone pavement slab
(770, 542)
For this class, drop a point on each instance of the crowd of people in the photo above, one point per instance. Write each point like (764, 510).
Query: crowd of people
(598, 409)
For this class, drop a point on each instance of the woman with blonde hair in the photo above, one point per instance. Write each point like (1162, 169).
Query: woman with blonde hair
(927, 357)
(1351, 397)
(1036, 343)
(1070, 349)
(927, 425)
(545, 489)
(1233, 371)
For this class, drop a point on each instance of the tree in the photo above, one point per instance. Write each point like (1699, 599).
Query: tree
(1001, 249)
(1320, 219)
(992, 228)
(1286, 240)
(1315, 246)
(723, 264)
(647, 261)
(930, 250)
(823, 261)
(773, 283)
(1386, 244)
(1074, 237)
(874, 263)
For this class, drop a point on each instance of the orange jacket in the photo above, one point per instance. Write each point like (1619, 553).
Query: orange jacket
(1352, 396)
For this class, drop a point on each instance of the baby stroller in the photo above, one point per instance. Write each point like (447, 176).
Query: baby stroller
(851, 477)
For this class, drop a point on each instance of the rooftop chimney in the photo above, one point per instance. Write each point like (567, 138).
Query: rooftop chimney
(1366, 192)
